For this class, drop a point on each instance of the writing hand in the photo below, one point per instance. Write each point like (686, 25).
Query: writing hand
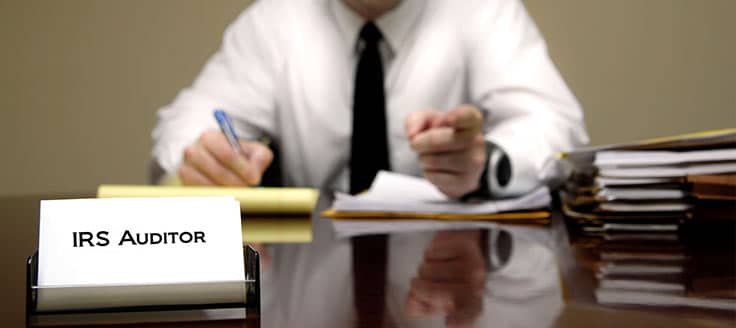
(212, 161)
(450, 146)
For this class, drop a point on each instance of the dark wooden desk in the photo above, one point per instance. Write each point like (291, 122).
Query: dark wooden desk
(18, 232)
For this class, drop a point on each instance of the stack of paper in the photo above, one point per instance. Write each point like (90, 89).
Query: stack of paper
(664, 164)
(394, 196)
(665, 178)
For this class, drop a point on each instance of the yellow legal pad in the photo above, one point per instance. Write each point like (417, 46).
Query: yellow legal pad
(272, 201)
(273, 215)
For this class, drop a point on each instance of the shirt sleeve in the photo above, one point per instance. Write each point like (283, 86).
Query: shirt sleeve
(238, 78)
(530, 113)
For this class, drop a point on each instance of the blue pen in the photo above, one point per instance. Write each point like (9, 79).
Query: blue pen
(226, 125)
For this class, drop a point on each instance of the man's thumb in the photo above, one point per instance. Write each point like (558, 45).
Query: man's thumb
(259, 157)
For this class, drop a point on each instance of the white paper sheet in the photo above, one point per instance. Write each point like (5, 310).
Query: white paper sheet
(398, 193)
(393, 192)
(667, 171)
(661, 157)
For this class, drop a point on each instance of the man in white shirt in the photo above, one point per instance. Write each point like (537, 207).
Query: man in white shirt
(467, 97)
(472, 100)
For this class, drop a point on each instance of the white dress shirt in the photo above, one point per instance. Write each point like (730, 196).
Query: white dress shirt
(286, 70)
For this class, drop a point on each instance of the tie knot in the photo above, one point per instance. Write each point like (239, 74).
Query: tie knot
(370, 33)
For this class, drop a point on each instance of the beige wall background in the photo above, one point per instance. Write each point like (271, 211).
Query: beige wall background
(82, 79)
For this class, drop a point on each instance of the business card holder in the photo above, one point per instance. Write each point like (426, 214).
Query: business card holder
(133, 314)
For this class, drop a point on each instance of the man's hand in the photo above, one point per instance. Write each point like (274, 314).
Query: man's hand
(451, 279)
(450, 146)
(212, 161)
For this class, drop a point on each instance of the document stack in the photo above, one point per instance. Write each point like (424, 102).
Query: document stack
(653, 186)
(656, 221)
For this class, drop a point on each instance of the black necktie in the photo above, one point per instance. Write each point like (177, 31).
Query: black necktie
(369, 145)
(368, 155)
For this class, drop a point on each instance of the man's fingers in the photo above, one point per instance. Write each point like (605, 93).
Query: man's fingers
(213, 157)
(201, 159)
(190, 176)
(464, 117)
(452, 157)
(259, 158)
(445, 139)
(457, 171)
(419, 121)
(216, 143)
(465, 160)
(454, 162)
(452, 185)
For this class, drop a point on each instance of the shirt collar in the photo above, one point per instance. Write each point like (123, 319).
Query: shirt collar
(395, 25)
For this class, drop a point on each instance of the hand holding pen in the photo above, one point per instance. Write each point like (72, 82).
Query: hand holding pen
(220, 158)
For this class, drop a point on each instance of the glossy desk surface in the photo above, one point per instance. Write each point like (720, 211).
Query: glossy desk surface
(502, 276)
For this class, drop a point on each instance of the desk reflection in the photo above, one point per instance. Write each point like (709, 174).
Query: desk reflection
(501, 277)
(451, 279)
